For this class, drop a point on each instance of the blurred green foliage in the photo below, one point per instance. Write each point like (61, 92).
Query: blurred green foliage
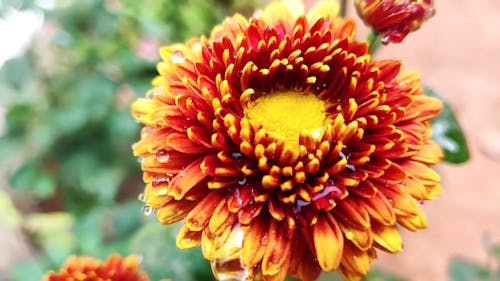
(68, 97)
(69, 131)
(461, 269)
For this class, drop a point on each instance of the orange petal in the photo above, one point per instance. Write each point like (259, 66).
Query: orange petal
(328, 242)
(421, 171)
(180, 142)
(255, 242)
(187, 238)
(303, 263)
(415, 188)
(352, 213)
(429, 153)
(249, 212)
(277, 252)
(413, 223)
(362, 238)
(388, 237)
(239, 198)
(356, 260)
(402, 203)
(187, 178)
(201, 214)
(221, 218)
(380, 209)
(166, 162)
(174, 211)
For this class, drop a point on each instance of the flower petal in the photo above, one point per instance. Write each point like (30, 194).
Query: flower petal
(277, 251)
(328, 242)
(187, 238)
(187, 178)
(387, 237)
(200, 215)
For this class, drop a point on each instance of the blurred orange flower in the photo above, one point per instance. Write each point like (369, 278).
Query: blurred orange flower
(394, 19)
(285, 148)
(115, 268)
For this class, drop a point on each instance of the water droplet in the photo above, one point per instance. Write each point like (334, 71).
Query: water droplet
(147, 210)
(242, 181)
(351, 168)
(141, 197)
(385, 39)
(177, 57)
(140, 159)
(161, 181)
(162, 156)
(232, 267)
(237, 156)
(299, 204)
(329, 190)
(430, 13)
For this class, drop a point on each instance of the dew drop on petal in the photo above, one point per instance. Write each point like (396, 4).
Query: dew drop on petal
(237, 156)
(177, 57)
(350, 167)
(242, 181)
(141, 197)
(162, 156)
(147, 210)
(232, 267)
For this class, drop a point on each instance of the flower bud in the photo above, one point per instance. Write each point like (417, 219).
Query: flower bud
(394, 19)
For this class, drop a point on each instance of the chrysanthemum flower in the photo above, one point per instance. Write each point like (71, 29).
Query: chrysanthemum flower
(394, 19)
(115, 268)
(285, 148)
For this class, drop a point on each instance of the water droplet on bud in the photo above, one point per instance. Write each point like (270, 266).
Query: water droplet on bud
(385, 40)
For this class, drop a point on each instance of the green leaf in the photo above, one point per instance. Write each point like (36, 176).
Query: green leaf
(162, 259)
(32, 177)
(448, 134)
(108, 230)
(379, 275)
(53, 233)
(464, 270)
(30, 269)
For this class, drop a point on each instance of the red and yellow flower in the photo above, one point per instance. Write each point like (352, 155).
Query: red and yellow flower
(394, 19)
(285, 148)
(115, 268)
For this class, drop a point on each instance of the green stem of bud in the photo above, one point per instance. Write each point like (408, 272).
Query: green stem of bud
(374, 41)
(343, 8)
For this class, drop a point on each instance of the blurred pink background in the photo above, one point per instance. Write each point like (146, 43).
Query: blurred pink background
(457, 52)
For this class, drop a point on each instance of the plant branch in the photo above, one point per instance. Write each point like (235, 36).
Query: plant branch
(343, 8)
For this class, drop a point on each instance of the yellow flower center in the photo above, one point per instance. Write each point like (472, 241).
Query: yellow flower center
(286, 114)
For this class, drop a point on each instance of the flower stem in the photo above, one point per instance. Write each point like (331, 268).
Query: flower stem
(374, 41)
(343, 8)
